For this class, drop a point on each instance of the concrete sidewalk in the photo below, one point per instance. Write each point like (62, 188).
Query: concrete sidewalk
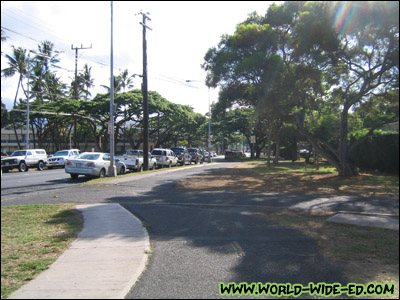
(103, 262)
(378, 221)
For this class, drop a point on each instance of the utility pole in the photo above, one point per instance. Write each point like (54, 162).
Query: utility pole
(145, 96)
(112, 169)
(76, 82)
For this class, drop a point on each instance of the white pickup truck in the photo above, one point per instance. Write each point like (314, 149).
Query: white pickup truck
(133, 160)
(25, 159)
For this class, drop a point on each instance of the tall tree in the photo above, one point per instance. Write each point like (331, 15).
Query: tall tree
(360, 56)
(17, 64)
(86, 81)
(296, 63)
(126, 81)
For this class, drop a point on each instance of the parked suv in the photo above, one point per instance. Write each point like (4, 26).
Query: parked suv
(197, 156)
(24, 159)
(165, 157)
(60, 158)
(183, 155)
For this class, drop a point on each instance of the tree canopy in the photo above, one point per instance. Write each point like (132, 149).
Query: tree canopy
(328, 67)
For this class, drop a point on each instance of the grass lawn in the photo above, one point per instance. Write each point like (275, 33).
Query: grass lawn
(32, 237)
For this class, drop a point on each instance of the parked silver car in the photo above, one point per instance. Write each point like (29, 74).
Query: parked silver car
(94, 164)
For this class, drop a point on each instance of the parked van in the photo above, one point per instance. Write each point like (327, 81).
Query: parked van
(165, 157)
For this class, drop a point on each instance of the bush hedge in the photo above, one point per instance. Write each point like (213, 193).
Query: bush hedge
(378, 152)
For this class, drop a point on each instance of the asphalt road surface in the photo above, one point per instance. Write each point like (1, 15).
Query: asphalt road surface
(198, 239)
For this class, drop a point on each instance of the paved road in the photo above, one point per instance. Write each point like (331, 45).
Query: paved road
(201, 239)
(16, 184)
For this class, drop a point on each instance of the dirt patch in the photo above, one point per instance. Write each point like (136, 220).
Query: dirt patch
(291, 178)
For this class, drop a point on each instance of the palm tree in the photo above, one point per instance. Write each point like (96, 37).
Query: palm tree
(117, 85)
(17, 64)
(125, 80)
(3, 36)
(86, 80)
(45, 59)
(47, 56)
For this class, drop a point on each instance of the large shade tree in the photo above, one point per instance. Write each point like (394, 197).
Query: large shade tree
(309, 60)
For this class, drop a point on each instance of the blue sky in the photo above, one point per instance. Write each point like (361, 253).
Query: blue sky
(181, 34)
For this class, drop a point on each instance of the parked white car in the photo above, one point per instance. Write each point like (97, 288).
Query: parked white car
(60, 158)
(165, 157)
(94, 164)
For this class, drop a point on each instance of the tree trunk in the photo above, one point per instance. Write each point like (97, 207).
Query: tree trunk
(346, 168)
(269, 149)
(277, 153)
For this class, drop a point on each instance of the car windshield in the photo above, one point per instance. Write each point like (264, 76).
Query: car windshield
(177, 150)
(61, 153)
(18, 153)
(89, 156)
(192, 150)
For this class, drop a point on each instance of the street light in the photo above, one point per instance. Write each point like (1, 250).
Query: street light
(209, 116)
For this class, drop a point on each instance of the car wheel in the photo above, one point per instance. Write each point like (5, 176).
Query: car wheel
(22, 167)
(40, 166)
(122, 171)
(102, 173)
(74, 176)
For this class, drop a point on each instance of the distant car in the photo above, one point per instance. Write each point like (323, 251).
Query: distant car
(165, 157)
(60, 158)
(183, 155)
(305, 153)
(94, 164)
(197, 156)
(230, 155)
(207, 156)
